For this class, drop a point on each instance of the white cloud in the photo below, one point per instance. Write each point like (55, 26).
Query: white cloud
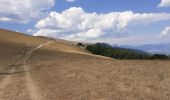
(31, 31)
(4, 19)
(70, 0)
(166, 31)
(23, 11)
(76, 24)
(164, 3)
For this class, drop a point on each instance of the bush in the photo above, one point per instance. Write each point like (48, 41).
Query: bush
(159, 56)
(80, 44)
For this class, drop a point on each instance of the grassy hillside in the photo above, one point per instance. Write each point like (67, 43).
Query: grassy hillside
(64, 71)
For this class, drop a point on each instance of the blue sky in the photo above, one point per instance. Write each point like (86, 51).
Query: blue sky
(105, 6)
(111, 21)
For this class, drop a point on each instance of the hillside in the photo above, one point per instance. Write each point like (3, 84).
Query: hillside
(58, 44)
(38, 68)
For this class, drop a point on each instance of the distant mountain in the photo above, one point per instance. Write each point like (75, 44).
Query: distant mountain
(107, 50)
(152, 48)
(116, 47)
(137, 51)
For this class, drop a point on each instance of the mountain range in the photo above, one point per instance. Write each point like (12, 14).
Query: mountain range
(163, 48)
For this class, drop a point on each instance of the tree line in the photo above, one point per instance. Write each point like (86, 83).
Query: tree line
(122, 53)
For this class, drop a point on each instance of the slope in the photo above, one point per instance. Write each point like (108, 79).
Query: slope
(42, 70)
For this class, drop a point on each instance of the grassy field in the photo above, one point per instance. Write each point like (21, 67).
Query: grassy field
(62, 71)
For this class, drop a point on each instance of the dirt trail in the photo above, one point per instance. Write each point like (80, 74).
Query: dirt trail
(20, 86)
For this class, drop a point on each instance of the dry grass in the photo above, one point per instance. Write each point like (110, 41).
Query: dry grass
(61, 71)
(68, 76)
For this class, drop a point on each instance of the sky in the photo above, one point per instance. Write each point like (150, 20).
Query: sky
(121, 22)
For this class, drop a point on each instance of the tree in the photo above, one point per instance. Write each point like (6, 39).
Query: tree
(118, 53)
(159, 56)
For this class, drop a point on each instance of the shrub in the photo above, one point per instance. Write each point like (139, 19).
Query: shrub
(80, 44)
(159, 56)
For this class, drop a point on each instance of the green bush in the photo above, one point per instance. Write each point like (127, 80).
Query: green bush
(159, 56)
(122, 53)
(118, 53)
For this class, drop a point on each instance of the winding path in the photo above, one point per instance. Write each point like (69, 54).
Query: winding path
(15, 86)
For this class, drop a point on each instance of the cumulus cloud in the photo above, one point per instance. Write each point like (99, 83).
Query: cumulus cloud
(76, 24)
(23, 11)
(166, 31)
(164, 3)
